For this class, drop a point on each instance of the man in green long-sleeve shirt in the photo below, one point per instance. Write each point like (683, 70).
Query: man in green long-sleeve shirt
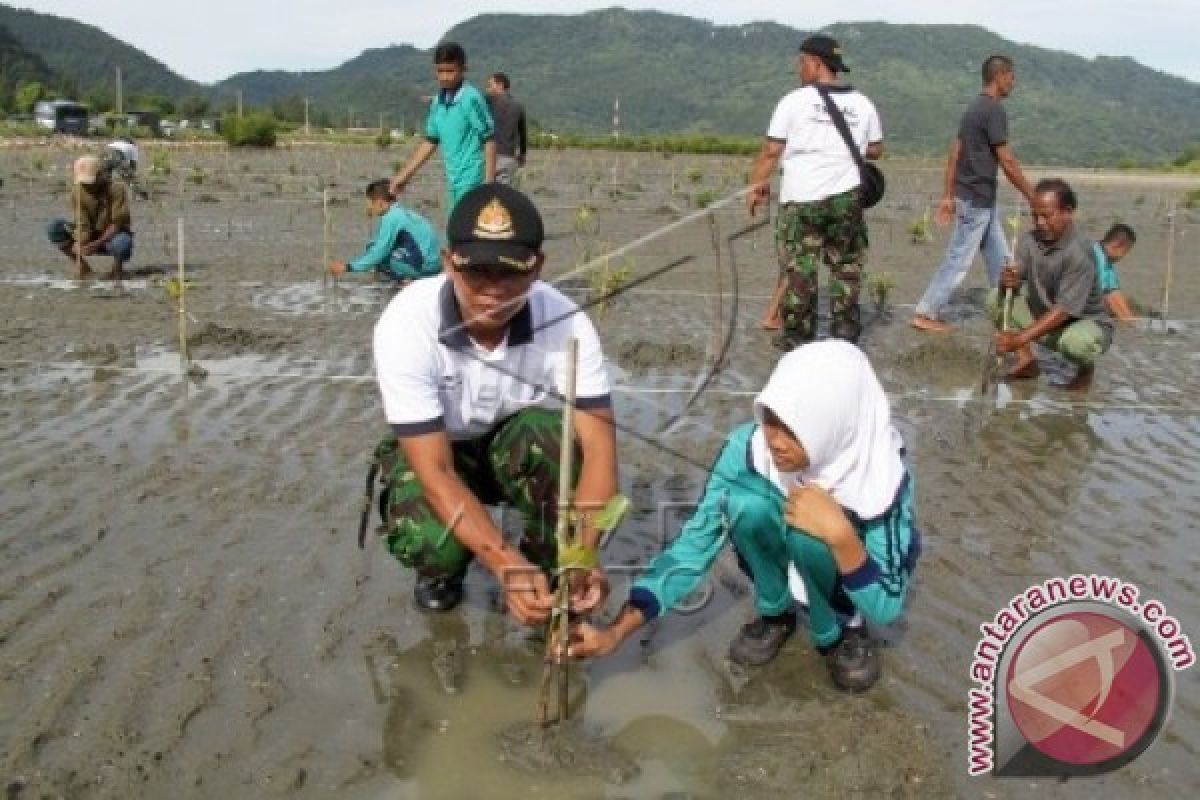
(405, 245)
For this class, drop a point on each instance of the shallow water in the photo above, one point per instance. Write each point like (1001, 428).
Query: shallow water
(184, 612)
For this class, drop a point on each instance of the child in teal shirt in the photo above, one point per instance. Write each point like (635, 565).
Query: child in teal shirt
(460, 124)
(818, 483)
(1115, 245)
(405, 245)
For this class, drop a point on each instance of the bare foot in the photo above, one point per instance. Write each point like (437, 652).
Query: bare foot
(771, 324)
(1081, 381)
(82, 274)
(1023, 370)
(930, 325)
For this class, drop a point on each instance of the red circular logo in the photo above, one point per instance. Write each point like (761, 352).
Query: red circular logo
(1084, 688)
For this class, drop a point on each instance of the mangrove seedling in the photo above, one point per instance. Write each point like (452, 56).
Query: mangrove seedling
(607, 280)
(880, 285)
(921, 229)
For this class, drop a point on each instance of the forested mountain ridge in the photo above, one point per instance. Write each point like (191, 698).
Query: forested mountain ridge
(675, 74)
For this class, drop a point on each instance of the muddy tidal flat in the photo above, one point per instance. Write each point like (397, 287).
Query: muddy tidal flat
(184, 611)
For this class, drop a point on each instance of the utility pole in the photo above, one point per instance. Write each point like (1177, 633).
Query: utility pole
(119, 108)
(306, 116)
(239, 103)
(381, 123)
(616, 117)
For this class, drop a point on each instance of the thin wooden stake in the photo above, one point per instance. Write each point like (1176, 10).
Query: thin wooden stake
(78, 232)
(1170, 262)
(325, 238)
(183, 347)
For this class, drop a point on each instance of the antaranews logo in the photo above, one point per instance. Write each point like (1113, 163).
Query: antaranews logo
(1075, 677)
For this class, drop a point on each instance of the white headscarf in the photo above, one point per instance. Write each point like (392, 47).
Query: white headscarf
(828, 395)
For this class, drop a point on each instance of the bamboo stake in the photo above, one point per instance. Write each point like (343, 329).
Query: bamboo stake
(183, 348)
(78, 232)
(1170, 263)
(325, 239)
(557, 632)
(993, 360)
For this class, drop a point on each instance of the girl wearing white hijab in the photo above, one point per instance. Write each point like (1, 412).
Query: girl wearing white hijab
(817, 482)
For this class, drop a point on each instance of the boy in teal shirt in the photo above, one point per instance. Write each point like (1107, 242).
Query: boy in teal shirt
(405, 245)
(1115, 245)
(460, 124)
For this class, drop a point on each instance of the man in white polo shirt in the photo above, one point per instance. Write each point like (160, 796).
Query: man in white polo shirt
(820, 213)
(471, 365)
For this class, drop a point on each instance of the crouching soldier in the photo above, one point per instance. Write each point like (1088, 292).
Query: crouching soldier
(471, 366)
(817, 482)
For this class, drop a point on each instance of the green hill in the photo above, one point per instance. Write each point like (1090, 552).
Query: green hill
(17, 66)
(675, 74)
(83, 57)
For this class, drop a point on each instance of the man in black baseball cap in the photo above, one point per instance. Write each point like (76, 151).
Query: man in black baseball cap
(471, 369)
(827, 49)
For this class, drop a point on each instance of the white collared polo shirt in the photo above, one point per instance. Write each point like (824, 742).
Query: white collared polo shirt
(434, 377)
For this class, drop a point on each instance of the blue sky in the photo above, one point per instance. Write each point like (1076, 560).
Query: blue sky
(211, 40)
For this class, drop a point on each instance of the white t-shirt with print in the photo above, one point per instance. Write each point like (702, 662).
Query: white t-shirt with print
(816, 161)
(434, 377)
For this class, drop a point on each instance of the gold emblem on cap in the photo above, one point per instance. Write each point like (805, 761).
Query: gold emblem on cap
(494, 222)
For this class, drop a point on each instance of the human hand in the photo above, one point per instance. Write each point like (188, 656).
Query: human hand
(1008, 341)
(527, 593)
(92, 247)
(759, 194)
(591, 641)
(945, 212)
(337, 268)
(397, 184)
(814, 511)
(1009, 278)
(588, 589)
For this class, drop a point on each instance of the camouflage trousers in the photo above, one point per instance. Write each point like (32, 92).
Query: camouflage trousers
(830, 231)
(516, 464)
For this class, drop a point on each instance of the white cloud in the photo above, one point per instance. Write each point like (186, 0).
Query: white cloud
(211, 40)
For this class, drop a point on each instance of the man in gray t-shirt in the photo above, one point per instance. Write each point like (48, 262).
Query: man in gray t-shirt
(969, 193)
(509, 116)
(1060, 306)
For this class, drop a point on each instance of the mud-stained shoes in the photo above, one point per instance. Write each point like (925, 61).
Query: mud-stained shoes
(761, 639)
(854, 663)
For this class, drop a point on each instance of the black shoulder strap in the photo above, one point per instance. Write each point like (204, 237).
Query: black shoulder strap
(839, 122)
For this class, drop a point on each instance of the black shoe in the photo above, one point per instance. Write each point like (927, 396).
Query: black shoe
(854, 662)
(438, 593)
(761, 639)
(847, 329)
